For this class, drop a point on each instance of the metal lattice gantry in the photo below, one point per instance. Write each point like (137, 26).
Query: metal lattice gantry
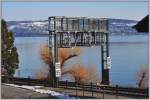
(67, 32)
(78, 31)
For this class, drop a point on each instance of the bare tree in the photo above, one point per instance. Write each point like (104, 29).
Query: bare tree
(142, 76)
(79, 73)
(83, 74)
(64, 54)
(41, 75)
(44, 52)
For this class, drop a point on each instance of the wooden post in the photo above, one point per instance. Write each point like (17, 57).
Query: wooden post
(103, 91)
(12, 80)
(43, 82)
(83, 88)
(76, 89)
(66, 84)
(53, 83)
(147, 92)
(58, 83)
(97, 89)
(28, 80)
(116, 91)
(92, 89)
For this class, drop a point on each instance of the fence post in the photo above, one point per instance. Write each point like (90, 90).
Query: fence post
(92, 88)
(66, 84)
(28, 80)
(43, 81)
(116, 91)
(76, 89)
(147, 92)
(12, 80)
(57, 83)
(83, 88)
(97, 89)
(103, 91)
(54, 84)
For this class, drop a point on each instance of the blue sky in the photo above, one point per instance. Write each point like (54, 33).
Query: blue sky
(12, 11)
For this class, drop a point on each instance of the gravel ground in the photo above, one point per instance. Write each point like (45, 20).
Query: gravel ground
(9, 92)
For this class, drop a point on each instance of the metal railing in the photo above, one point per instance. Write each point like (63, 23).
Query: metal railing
(91, 87)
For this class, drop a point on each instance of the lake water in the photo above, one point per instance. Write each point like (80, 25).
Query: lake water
(128, 53)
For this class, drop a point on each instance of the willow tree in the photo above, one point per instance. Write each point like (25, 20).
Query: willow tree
(9, 53)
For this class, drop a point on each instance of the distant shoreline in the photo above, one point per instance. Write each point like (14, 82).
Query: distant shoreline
(46, 35)
(32, 35)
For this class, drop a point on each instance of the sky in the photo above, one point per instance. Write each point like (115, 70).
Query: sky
(21, 11)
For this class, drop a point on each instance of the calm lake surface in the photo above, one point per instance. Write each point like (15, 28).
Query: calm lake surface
(128, 53)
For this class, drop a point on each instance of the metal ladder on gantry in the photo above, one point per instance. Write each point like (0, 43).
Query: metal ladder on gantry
(67, 32)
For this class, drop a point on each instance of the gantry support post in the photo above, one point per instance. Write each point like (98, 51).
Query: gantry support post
(50, 78)
(55, 52)
(104, 55)
(55, 59)
(54, 48)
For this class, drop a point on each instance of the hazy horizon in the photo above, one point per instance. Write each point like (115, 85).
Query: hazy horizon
(66, 16)
(33, 11)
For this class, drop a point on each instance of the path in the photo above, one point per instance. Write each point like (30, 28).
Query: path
(9, 92)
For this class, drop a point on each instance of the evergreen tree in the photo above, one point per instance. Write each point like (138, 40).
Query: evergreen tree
(9, 53)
